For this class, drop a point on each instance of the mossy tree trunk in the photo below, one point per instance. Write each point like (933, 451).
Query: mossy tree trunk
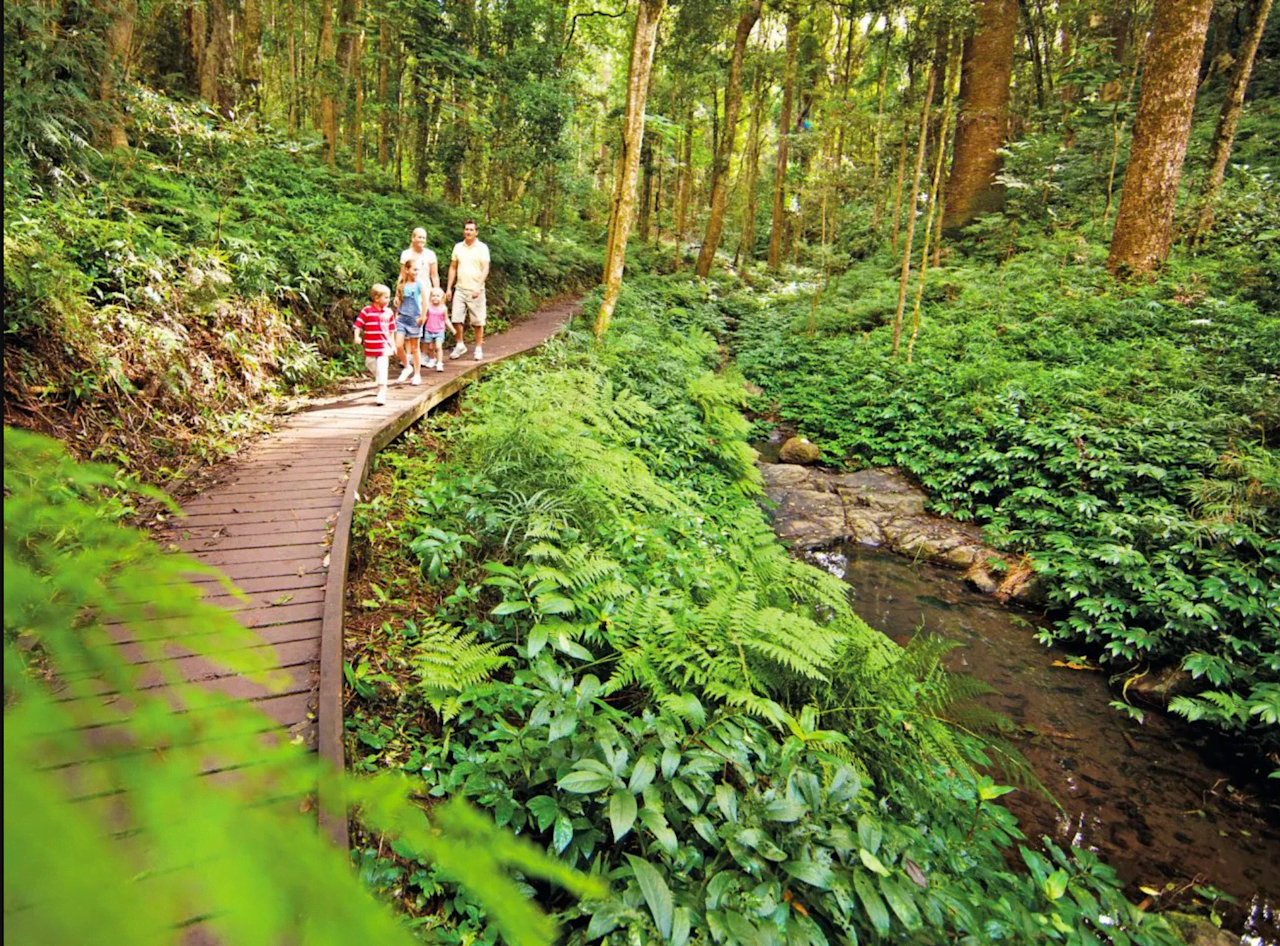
(1229, 118)
(1144, 224)
(643, 40)
(724, 150)
(122, 18)
(326, 70)
(983, 118)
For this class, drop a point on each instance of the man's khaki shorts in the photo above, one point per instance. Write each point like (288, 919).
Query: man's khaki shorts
(464, 305)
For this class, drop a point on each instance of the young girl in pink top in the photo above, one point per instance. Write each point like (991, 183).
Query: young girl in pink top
(433, 334)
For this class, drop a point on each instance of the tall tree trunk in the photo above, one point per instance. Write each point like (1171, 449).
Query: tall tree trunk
(877, 205)
(1232, 105)
(251, 49)
(326, 69)
(984, 105)
(643, 40)
(724, 153)
(778, 226)
(646, 190)
(747, 240)
(384, 107)
(122, 18)
(345, 36)
(215, 78)
(911, 210)
(357, 73)
(197, 24)
(931, 211)
(685, 188)
(1144, 224)
(291, 52)
(901, 179)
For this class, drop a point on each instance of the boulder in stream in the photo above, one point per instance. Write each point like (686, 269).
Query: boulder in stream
(800, 450)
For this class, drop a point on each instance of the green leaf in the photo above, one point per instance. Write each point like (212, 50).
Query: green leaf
(1055, 885)
(584, 783)
(656, 894)
(622, 812)
(537, 641)
(811, 872)
(869, 833)
(901, 900)
(563, 834)
(727, 799)
(877, 913)
(642, 775)
(670, 760)
(680, 926)
(510, 607)
(688, 797)
(873, 863)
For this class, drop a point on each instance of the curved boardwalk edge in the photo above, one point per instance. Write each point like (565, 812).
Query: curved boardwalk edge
(524, 338)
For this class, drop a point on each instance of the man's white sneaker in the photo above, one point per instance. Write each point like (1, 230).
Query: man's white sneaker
(439, 366)
(479, 353)
(417, 379)
(458, 350)
(404, 375)
(382, 396)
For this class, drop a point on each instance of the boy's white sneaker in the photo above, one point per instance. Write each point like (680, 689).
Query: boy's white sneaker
(417, 379)
(479, 353)
(439, 366)
(382, 396)
(458, 350)
(404, 375)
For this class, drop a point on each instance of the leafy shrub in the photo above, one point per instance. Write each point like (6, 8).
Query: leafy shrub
(110, 838)
(685, 709)
(1102, 429)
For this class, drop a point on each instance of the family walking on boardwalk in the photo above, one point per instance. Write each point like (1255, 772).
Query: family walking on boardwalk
(414, 319)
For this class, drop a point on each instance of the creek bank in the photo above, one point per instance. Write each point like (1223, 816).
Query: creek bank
(881, 508)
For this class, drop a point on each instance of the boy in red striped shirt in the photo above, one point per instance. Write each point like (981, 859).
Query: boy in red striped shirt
(376, 322)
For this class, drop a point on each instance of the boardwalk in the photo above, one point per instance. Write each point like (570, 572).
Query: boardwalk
(278, 525)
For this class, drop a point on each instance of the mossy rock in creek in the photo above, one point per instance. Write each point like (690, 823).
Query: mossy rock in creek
(799, 450)
(1197, 931)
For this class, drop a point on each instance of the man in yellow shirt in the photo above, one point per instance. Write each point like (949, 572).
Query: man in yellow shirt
(468, 268)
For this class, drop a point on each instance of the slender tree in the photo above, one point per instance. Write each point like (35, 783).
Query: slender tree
(1144, 224)
(1232, 105)
(724, 150)
(643, 40)
(984, 105)
(911, 210)
(747, 240)
(778, 225)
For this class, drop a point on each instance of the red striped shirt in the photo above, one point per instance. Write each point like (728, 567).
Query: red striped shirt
(378, 326)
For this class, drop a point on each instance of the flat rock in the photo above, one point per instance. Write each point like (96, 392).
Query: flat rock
(882, 508)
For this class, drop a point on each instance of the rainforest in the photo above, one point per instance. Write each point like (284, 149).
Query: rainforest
(858, 523)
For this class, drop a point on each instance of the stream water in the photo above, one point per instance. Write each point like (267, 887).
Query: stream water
(1140, 794)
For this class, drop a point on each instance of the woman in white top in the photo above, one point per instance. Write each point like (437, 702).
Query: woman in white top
(428, 268)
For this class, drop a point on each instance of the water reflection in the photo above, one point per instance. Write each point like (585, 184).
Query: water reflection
(1138, 793)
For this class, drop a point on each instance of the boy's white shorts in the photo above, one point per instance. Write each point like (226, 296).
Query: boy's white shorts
(378, 368)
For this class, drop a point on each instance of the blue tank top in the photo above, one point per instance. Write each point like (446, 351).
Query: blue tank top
(411, 304)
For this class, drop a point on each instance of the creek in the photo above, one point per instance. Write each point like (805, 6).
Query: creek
(1142, 794)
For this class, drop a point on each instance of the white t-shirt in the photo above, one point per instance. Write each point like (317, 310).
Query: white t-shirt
(426, 259)
(470, 260)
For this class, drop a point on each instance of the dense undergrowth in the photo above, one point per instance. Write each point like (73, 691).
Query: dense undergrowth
(572, 612)
(154, 298)
(1122, 435)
